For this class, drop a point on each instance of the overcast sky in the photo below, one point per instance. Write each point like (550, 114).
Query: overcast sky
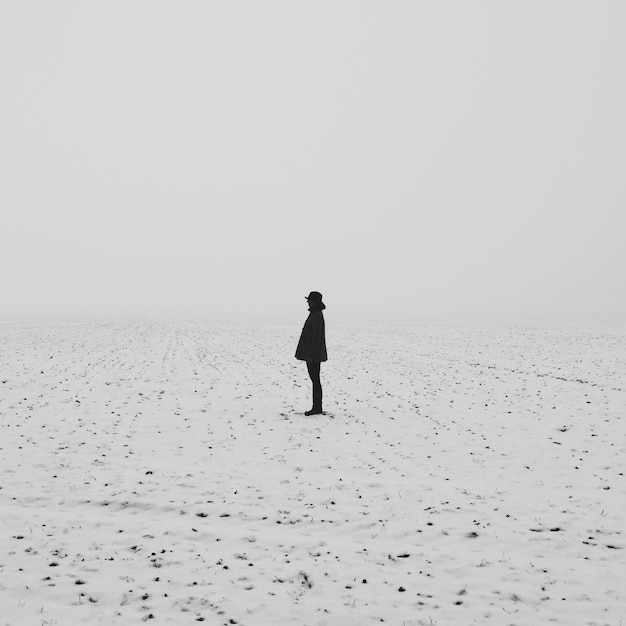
(406, 159)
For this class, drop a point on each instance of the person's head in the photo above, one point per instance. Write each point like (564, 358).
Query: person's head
(315, 301)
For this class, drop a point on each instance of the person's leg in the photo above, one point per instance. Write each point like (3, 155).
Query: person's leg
(314, 374)
(317, 400)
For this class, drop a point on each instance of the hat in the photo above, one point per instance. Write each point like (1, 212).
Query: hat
(315, 296)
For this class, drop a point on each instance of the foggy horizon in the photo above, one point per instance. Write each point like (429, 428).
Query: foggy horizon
(408, 160)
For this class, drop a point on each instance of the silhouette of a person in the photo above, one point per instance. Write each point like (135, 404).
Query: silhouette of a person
(312, 347)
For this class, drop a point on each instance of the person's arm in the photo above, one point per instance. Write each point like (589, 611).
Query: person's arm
(316, 338)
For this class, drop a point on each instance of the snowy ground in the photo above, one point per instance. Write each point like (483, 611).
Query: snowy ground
(165, 473)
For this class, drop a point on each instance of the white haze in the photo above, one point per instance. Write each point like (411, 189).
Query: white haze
(407, 159)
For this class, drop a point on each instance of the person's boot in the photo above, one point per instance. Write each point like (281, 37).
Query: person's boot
(314, 411)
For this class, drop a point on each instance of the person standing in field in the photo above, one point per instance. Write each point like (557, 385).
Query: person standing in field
(312, 347)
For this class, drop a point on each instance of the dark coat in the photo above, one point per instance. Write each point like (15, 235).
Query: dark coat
(312, 344)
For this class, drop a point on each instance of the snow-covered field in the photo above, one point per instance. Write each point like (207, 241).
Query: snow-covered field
(166, 473)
